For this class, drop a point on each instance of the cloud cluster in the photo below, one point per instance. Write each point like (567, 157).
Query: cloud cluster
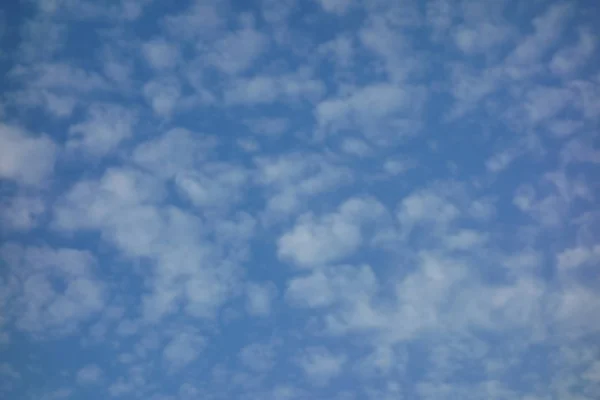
(338, 199)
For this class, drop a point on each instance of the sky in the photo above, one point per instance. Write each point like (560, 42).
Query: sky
(299, 199)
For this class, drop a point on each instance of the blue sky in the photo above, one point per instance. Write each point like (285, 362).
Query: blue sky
(326, 199)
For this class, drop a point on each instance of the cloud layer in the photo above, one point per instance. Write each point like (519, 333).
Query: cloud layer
(332, 199)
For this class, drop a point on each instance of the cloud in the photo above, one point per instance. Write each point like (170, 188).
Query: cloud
(266, 89)
(216, 186)
(54, 289)
(577, 256)
(162, 95)
(481, 38)
(335, 6)
(59, 76)
(319, 241)
(183, 349)
(320, 365)
(25, 158)
(547, 30)
(335, 284)
(89, 375)
(22, 213)
(177, 150)
(339, 199)
(260, 298)
(160, 54)
(237, 51)
(567, 60)
(377, 108)
(292, 179)
(104, 129)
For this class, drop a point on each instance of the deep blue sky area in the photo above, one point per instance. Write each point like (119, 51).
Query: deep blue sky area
(299, 200)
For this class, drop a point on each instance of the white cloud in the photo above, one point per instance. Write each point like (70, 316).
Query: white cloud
(106, 126)
(163, 95)
(332, 237)
(426, 207)
(183, 348)
(22, 213)
(201, 19)
(89, 375)
(216, 186)
(292, 179)
(263, 89)
(547, 29)
(39, 305)
(567, 60)
(260, 298)
(320, 365)
(500, 161)
(396, 167)
(58, 105)
(577, 256)
(481, 38)
(59, 76)
(341, 49)
(356, 147)
(189, 270)
(312, 242)
(235, 52)
(178, 150)
(332, 285)
(377, 109)
(25, 158)
(294, 219)
(160, 54)
(465, 239)
(545, 102)
(99, 204)
(335, 6)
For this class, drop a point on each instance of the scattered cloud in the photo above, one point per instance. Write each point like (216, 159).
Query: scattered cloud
(26, 158)
(183, 349)
(89, 375)
(296, 200)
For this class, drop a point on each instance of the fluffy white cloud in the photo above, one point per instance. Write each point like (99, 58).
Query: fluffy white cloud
(318, 241)
(25, 158)
(295, 178)
(22, 213)
(269, 89)
(160, 54)
(237, 51)
(577, 256)
(376, 109)
(217, 185)
(568, 60)
(178, 150)
(335, 6)
(162, 95)
(320, 365)
(54, 289)
(336, 284)
(335, 200)
(183, 348)
(260, 298)
(89, 375)
(106, 126)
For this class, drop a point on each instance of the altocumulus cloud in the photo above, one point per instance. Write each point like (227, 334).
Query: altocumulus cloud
(284, 199)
